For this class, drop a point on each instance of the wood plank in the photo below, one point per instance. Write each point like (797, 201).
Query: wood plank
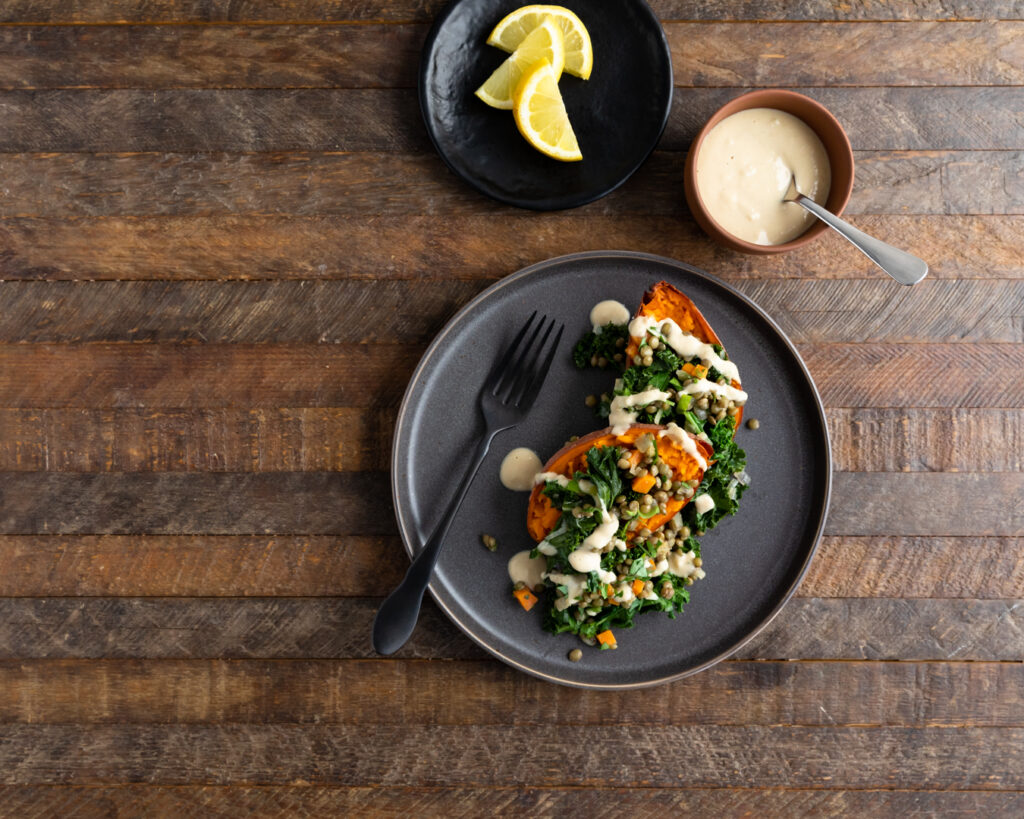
(908, 567)
(339, 628)
(313, 439)
(284, 312)
(403, 184)
(847, 374)
(425, 247)
(774, 54)
(468, 803)
(934, 758)
(413, 311)
(321, 11)
(200, 565)
(253, 376)
(288, 56)
(113, 692)
(103, 375)
(205, 503)
(300, 439)
(927, 503)
(346, 566)
(927, 440)
(767, 54)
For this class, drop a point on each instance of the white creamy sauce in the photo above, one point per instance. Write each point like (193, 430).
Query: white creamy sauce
(681, 565)
(685, 344)
(587, 558)
(703, 503)
(544, 477)
(676, 433)
(620, 416)
(518, 469)
(624, 593)
(608, 312)
(722, 390)
(659, 568)
(576, 584)
(744, 167)
(525, 569)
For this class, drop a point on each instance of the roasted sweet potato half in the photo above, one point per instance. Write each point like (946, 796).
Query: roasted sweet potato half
(663, 301)
(542, 517)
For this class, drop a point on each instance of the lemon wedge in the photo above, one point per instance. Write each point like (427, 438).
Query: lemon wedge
(541, 117)
(544, 43)
(514, 28)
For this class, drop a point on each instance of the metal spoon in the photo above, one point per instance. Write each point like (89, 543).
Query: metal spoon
(902, 266)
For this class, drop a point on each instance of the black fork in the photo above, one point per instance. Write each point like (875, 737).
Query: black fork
(505, 399)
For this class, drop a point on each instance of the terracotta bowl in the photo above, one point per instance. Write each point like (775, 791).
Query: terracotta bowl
(829, 131)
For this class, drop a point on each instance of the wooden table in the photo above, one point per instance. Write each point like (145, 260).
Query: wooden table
(225, 242)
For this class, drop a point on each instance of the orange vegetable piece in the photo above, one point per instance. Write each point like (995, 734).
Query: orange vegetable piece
(609, 591)
(606, 638)
(542, 517)
(643, 483)
(526, 598)
(638, 586)
(665, 301)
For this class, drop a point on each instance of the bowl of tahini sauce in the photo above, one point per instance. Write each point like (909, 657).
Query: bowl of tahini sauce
(739, 167)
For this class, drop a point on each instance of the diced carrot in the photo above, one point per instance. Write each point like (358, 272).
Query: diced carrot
(638, 586)
(635, 456)
(696, 370)
(608, 591)
(643, 483)
(606, 638)
(526, 598)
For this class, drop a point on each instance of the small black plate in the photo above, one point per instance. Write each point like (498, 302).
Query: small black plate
(754, 560)
(618, 114)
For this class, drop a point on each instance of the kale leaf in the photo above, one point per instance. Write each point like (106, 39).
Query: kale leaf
(601, 345)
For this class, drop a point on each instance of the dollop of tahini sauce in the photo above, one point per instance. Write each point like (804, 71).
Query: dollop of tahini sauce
(608, 312)
(743, 172)
(519, 468)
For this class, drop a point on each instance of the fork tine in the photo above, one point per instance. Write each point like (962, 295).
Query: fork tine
(521, 375)
(509, 375)
(530, 392)
(501, 366)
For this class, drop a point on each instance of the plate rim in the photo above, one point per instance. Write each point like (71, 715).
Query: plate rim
(421, 94)
(534, 269)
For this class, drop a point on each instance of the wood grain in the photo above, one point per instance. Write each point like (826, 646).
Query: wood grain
(82, 57)
(375, 692)
(956, 758)
(908, 567)
(104, 375)
(323, 11)
(301, 439)
(769, 54)
(254, 376)
(342, 439)
(346, 566)
(339, 628)
(413, 311)
(927, 440)
(360, 184)
(205, 503)
(426, 247)
(469, 803)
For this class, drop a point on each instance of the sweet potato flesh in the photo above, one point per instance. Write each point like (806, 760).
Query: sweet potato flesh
(542, 517)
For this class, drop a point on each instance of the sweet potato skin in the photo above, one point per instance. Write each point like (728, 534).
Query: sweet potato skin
(542, 517)
(664, 301)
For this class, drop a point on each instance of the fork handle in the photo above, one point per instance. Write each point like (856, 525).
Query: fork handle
(396, 618)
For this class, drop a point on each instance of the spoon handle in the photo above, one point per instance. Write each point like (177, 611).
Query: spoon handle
(902, 266)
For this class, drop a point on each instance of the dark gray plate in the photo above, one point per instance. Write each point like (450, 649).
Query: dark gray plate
(754, 560)
(618, 114)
